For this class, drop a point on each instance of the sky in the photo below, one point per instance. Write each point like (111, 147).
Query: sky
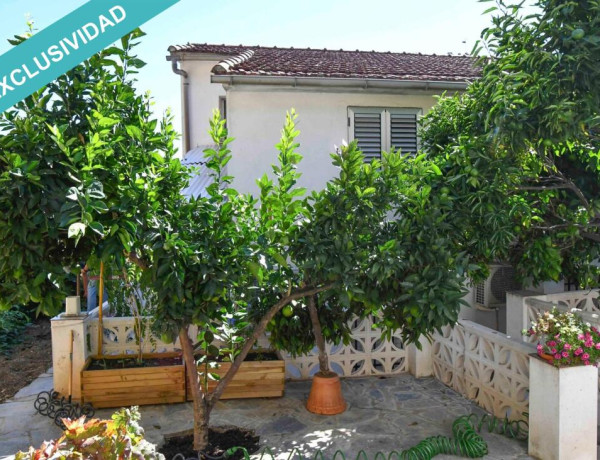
(426, 26)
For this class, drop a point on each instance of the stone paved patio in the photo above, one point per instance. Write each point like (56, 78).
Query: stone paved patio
(383, 415)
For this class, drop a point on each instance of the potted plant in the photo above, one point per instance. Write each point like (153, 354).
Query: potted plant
(565, 339)
(304, 325)
(563, 387)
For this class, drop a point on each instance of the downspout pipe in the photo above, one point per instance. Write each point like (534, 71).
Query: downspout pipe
(185, 102)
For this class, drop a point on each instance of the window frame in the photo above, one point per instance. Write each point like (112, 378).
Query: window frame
(386, 124)
(223, 108)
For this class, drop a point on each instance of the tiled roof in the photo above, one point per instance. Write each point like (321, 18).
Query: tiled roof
(293, 62)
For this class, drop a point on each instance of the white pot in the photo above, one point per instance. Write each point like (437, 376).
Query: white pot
(563, 411)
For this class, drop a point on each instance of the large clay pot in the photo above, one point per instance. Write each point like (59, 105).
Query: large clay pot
(325, 396)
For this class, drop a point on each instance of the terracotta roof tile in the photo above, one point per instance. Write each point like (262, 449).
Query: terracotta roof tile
(297, 62)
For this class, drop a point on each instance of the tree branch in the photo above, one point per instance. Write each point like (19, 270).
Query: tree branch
(591, 236)
(565, 182)
(541, 188)
(566, 225)
(258, 331)
(133, 257)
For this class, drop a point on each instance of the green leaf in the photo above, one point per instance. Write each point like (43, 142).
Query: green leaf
(76, 230)
(134, 132)
(107, 122)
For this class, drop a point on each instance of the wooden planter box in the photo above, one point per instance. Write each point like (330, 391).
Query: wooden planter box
(135, 386)
(254, 379)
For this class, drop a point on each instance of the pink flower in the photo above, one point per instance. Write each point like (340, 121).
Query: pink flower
(567, 346)
(539, 348)
(580, 336)
(598, 346)
(585, 356)
(553, 351)
(578, 351)
(565, 354)
(557, 356)
(587, 363)
(552, 343)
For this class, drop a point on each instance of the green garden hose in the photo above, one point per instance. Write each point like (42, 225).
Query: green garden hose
(465, 441)
(517, 429)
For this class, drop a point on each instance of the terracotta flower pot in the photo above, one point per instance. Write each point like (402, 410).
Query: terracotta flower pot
(547, 357)
(325, 396)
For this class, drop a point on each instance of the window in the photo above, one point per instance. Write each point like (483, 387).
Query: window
(381, 129)
(223, 108)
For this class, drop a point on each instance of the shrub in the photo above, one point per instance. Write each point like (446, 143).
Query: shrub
(121, 437)
(12, 323)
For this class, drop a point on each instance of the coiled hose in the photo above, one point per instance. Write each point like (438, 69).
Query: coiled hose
(465, 442)
(516, 429)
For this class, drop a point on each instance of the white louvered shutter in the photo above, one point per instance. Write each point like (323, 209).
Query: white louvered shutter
(403, 131)
(367, 132)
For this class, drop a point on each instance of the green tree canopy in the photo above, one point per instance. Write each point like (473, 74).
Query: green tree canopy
(83, 164)
(519, 150)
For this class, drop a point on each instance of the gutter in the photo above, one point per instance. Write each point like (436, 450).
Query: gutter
(329, 82)
(185, 102)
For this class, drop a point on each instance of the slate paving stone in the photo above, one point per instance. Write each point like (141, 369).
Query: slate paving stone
(407, 396)
(384, 414)
(376, 394)
(285, 424)
(40, 384)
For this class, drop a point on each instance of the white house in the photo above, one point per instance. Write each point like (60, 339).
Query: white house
(370, 96)
(339, 96)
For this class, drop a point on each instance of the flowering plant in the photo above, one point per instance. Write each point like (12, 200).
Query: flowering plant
(565, 338)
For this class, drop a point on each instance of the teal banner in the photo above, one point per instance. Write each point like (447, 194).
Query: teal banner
(58, 48)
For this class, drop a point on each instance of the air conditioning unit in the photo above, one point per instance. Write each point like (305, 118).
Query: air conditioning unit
(491, 293)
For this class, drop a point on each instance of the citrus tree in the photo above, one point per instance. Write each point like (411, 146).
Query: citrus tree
(379, 235)
(301, 266)
(83, 165)
(519, 150)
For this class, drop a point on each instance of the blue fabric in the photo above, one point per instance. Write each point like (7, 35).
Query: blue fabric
(92, 295)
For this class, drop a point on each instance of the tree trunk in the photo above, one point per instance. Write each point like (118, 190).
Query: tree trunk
(203, 403)
(318, 332)
(201, 412)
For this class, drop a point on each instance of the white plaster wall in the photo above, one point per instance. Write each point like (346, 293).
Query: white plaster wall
(204, 98)
(548, 287)
(256, 116)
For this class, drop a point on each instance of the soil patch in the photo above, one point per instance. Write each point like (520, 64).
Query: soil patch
(266, 356)
(27, 360)
(128, 363)
(254, 356)
(220, 438)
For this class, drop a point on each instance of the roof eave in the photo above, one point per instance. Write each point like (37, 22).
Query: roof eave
(338, 82)
(180, 55)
